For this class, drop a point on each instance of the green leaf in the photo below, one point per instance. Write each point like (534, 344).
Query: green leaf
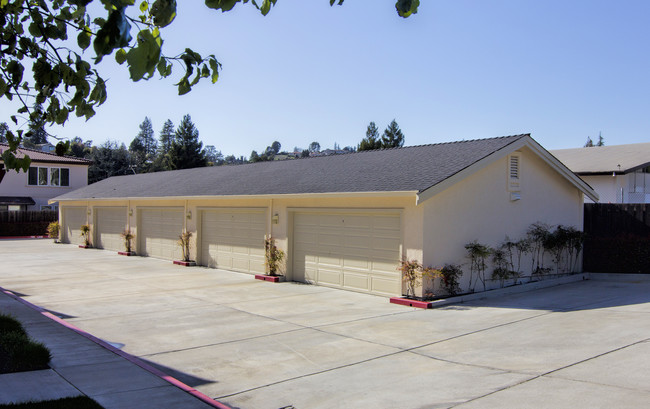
(144, 6)
(145, 56)
(120, 56)
(83, 39)
(214, 64)
(115, 33)
(223, 5)
(163, 12)
(407, 7)
(184, 86)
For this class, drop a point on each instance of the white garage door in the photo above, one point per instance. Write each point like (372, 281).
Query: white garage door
(110, 222)
(73, 218)
(158, 233)
(233, 239)
(356, 251)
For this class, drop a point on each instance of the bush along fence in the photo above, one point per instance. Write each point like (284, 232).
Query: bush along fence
(545, 251)
(617, 238)
(26, 223)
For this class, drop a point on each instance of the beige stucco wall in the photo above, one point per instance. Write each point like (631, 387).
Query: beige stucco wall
(15, 184)
(479, 208)
(608, 187)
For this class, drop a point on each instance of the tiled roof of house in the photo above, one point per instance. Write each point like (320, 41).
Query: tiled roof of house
(407, 169)
(605, 159)
(40, 157)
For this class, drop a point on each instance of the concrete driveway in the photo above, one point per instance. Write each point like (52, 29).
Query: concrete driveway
(252, 344)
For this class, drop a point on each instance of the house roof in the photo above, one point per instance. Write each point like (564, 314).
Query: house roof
(605, 159)
(16, 200)
(414, 169)
(41, 157)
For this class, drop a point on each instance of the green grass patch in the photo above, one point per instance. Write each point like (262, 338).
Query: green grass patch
(79, 402)
(18, 352)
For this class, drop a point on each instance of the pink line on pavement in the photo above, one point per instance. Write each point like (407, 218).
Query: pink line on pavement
(128, 357)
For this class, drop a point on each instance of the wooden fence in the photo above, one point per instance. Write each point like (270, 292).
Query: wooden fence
(27, 223)
(618, 238)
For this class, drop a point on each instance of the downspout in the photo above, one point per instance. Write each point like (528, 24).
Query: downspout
(270, 218)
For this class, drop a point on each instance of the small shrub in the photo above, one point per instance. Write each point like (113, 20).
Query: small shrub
(19, 351)
(128, 238)
(85, 233)
(273, 256)
(477, 254)
(53, 230)
(412, 274)
(9, 324)
(450, 274)
(184, 242)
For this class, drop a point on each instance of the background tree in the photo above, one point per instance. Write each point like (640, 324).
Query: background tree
(255, 157)
(66, 81)
(305, 153)
(4, 127)
(79, 148)
(143, 147)
(109, 159)
(314, 147)
(276, 146)
(393, 136)
(589, 143)
(37, 134)
(186, 151)
(165, 139)
(371, 141)
(601, 141)
(213, 156)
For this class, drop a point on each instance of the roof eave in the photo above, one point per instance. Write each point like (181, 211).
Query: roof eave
(404, 193)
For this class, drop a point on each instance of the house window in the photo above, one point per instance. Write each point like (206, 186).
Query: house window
(39, 176)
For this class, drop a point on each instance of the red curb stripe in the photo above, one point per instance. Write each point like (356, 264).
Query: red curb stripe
(135, 360)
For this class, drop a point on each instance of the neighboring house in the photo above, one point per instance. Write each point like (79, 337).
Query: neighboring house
(344, 221)
(49, 176)
(618, 173)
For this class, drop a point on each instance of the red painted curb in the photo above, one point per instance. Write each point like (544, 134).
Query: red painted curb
(272, 279)
(135, 360)
(185, 263)
(126, 253)
(23, 237)
(410, 303)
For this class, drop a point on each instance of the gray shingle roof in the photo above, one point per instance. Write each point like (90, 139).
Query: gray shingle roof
(408, 169)
(605, 159)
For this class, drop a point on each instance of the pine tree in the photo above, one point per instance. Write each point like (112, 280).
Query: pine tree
(186, 151)
(36, 134)
(392, 137)
(165, 140)
(143, 147)
(601, 141)
(4, 127)
(589, 143)
(371, 141)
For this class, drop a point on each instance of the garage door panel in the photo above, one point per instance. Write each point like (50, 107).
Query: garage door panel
(331, 277)
(110, 223)
(74, 218)
(385, 286)
(356, 281)
(158, 232)
(233, 239)
(359, 252)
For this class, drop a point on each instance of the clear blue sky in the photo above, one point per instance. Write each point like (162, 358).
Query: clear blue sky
(459, 69)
